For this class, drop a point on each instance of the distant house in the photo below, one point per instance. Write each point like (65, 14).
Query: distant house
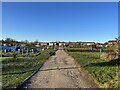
(51, 44)
(106, 44)
(60, 44)
(112, 42)
(63, 44)
(72, 44)
(99, 45)
(44, 43)
(37, 45)
(88, 44)
(57, 43)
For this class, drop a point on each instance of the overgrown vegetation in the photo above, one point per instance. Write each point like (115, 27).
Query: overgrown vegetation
(105, 73)
(15, 70)
(115, 53)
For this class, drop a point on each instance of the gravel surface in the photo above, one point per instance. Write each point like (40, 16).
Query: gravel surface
(60, 71)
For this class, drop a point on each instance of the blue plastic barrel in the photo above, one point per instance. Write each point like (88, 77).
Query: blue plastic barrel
(101, 50)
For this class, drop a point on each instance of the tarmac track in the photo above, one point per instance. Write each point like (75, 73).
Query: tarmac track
(60, 71)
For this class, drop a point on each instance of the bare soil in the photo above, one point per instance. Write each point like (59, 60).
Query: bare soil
(60, 71)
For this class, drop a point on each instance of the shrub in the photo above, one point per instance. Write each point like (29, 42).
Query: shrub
(109, 56)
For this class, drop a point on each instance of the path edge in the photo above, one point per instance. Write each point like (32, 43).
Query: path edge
(85, 72)
(20, 86)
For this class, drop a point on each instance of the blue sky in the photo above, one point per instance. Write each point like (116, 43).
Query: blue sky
(60, 21)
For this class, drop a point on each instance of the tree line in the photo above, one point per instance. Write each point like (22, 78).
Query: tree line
(13, 42)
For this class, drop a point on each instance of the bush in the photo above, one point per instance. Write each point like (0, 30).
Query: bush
(109, 56)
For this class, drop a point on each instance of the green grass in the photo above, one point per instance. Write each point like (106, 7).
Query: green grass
(76, 48)
(10, 54)
(105, 73)
(84, 49)
(14, 71)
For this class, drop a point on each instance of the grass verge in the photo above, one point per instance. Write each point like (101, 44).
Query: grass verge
(14, 71)
(105, 73)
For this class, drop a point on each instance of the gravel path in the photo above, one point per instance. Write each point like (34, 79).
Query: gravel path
(60, 71)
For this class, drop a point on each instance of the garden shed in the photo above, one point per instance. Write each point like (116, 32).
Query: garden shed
(10, 48)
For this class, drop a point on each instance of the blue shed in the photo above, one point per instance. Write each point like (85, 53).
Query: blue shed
(16, 48)
(5, 48)
(10, 48)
